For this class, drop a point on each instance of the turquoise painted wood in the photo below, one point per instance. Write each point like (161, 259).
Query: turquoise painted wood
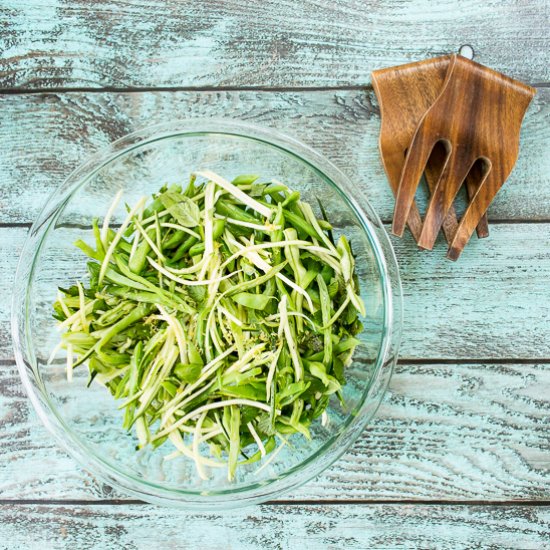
(504, 314)
(342, 125)
(466, 418)
(54, 43)
(458, 433)
(35, 527)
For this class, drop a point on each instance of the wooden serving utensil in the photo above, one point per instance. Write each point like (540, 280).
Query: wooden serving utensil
(477, 116)
(404, 94)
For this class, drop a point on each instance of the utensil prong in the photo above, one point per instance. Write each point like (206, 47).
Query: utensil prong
(450, 181)
(476, 209)
(415, 164)
(473, 180)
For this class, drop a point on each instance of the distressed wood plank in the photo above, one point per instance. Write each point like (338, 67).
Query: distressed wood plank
(55, 43)
(446, 316)
(281, 527)
(45, 136)
(445, 432)
(452, 431)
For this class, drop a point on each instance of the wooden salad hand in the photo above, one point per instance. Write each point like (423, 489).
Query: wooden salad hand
(477, 115)
(404, 94)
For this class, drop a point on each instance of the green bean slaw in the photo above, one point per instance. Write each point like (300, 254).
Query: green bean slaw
(221, 317)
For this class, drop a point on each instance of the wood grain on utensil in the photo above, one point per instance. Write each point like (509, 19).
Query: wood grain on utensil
(405, 93)
(477, 116)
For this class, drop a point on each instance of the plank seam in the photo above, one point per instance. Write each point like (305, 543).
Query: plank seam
(141, 89)
(385, 221)
(305, 502)
(473, 361)
(429, 361)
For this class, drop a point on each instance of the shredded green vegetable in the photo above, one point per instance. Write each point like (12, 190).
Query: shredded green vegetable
(221, 316)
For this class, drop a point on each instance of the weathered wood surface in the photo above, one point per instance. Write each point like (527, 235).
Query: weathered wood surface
(43, 137)
(109, 527)
(445, 432)
(54, 43)
(458, 430)
(504, 314)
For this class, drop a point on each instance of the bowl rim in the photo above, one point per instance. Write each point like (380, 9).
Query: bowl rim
(387, 353)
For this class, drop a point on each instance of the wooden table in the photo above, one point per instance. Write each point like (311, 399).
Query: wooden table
(459, 454)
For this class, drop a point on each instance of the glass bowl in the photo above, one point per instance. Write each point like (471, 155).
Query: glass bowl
(86, 421)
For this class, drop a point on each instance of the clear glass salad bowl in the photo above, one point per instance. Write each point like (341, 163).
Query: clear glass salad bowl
(86, 420)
